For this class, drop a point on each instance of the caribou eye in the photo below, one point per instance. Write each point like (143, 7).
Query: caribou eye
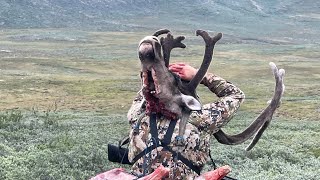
(155, 39)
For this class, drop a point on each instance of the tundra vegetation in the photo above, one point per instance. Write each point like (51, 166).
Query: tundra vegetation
(64, 95)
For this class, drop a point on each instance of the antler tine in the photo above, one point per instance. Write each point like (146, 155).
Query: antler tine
(168, 43)
(206, 37)
(161, 31)
(263, 120)
(210, 42)
(258, 135)
(275, 102)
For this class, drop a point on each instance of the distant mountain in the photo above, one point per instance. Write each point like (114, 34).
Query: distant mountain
(279, 20)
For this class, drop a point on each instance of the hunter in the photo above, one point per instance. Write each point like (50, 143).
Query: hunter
(201, 126)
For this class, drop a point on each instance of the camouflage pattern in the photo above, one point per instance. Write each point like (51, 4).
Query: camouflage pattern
(201, 126)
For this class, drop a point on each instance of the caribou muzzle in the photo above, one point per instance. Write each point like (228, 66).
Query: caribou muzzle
(149, 48)
(146, 52)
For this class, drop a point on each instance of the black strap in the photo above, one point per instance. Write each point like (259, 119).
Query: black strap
(215, 167)
(124, 141)
(213, 164)
(145, 151)
(185, 161)
(153, 125)
(164, 143)
(167, 137)
(154, 134)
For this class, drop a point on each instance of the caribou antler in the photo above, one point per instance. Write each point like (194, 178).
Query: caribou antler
(210, 43)
(263, 120)
(190, 88)
(168, 43)
(275, 103)
(160, 31)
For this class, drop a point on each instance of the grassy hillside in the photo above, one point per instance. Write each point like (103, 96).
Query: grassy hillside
(290, 21)
(65, 92)
(93, 70)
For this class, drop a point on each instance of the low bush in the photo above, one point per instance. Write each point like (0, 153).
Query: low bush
(75, 147)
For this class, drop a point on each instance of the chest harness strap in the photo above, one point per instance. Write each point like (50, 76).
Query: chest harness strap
(164, 143)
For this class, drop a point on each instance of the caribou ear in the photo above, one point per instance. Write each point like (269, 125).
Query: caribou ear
(191, 102)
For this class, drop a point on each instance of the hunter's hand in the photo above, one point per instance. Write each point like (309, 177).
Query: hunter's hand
(185, 71)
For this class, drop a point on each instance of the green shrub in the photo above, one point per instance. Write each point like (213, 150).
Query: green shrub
(8, 117)
(76, 148)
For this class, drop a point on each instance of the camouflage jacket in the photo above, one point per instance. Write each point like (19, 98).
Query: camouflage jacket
(199, 129)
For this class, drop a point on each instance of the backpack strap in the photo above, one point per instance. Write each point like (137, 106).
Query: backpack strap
(164, 143)
(153, 127)
(167, 137)
(125, 140)
(154, 134)
(184, 160)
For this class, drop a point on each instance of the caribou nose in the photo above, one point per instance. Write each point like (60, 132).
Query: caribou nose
(146, 51)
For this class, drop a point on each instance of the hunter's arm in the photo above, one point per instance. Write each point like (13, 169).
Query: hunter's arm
(136, 109)
(216, 114)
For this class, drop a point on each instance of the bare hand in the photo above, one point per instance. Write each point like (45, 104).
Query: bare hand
(185, 71)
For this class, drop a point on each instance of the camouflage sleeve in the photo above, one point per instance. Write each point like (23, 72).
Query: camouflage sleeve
(215, 115)
(136, 109)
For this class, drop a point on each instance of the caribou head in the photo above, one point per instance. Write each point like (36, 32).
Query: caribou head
(165, 93)
(160, 86)
(163, 90)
